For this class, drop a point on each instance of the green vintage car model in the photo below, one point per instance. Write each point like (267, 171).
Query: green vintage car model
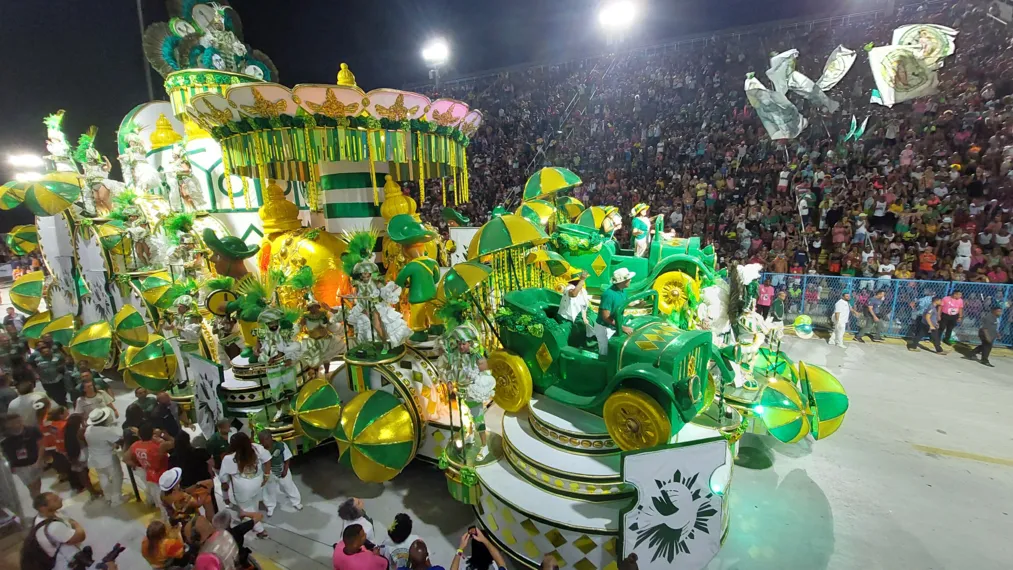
(672, 266)
(651, 383)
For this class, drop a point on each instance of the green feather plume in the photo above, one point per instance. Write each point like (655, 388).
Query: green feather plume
(84, 143)
(360, 247)
(220, 283)
(129, 128)
(54, 121)
(454, 312)
(302, 279)
(291, 316)
(177, 224)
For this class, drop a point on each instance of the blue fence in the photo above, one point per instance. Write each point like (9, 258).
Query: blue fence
(815, 295)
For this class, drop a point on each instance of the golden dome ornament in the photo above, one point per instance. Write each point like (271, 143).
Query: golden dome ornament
(164, 135)
(278, 214)
(395, 201)
(345, 76)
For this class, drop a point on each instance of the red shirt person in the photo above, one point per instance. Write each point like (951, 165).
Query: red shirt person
(150, 453)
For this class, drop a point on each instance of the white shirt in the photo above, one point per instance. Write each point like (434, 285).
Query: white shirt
(843, 310)
(397, 553)
(885, 270)
(985, 238)
(60, 531)
(102, 445)
(880, 209)
(86, 405)
(964, 248)
(230, 468)
(571, 308)
(23, 406)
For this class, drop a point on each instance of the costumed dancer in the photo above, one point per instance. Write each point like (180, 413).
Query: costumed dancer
(227, 260)
(137, 229)
(138, 173)
(57, 145)
(420, 275)
(641, 231)
(324, 341)
(183, 188)
(373, 316)
(95, 197)
(279, 351)
(463, 363)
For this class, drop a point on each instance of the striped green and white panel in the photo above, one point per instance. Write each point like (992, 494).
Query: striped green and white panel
(348, 196)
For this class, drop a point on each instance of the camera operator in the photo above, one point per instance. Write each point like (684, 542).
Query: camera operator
(54, 539)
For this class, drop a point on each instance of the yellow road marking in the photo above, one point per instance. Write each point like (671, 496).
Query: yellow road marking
(963, 455)
(266, 563)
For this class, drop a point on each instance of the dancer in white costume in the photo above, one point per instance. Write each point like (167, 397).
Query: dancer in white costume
(244, 473)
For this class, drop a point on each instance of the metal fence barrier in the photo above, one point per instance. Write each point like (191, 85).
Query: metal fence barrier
(815, 295)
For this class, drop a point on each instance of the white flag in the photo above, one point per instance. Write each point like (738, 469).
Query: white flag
(779, 116)
(901, 74)
(838, 65)
(781, 66)
(931, 42)
(805, 87)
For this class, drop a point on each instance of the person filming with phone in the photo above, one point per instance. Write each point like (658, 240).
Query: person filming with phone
(484, 554)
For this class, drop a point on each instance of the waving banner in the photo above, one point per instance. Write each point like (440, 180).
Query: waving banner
(931, 42)
(805, 87)
(780, 117)
(901, 74)
(838, 65)
(781, 66)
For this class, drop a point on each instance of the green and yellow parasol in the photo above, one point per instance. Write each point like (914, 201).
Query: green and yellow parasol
(594, 217)
(538, 212)
(826, 399)
(11, 196)
(462, 278)
(548, 181)
(155, 289)
(783, 412)
(129, 327)
(62, 329)
(569, 206)
(504, 232)
(317, 409)
(23, 239)
(803, 326)
(51, 195)
(153, 366)
(376, 436)
(32, 330)
(114, 237)
(548, 261)
(775, 363)
(93, 345)
(26, 292)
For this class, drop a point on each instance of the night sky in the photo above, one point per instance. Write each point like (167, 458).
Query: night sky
(85, 56)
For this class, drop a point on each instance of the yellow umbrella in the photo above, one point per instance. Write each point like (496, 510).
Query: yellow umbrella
(504, 232)
(61, 328)
(154, 289)
(93, 345)
(783, 412)
(51, 195)
(114, 237)
(548, 261)
(154, 365)
(826, 399)
(548, 181)
(376, 436)
(130, 327)
(569, 206)
(23, 239)
(462, 278)
(32, 330)
(538, 212)
(11, 196)
(26, 292)
(317, 409)
(595, 217)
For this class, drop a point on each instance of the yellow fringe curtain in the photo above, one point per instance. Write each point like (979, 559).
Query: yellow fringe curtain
(372, 166)
(226, 164)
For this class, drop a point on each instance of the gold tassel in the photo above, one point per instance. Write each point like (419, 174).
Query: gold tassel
(227, 165)
(372, 167)
(422, 173)
(313, 185)
(464, 173)
(443, 187)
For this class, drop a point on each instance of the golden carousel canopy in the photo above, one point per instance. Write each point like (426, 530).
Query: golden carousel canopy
(268, 130)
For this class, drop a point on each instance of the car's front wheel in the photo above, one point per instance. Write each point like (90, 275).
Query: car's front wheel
(513, 381)
(635, 420)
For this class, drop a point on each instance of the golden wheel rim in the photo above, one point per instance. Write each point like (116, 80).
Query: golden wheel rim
(513, 381)
(635, 420)
(671, 288)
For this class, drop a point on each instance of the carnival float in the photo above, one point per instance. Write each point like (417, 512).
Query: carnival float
(260, 261)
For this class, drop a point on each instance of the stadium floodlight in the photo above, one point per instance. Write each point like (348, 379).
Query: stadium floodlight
(436, 52)
(27, 176)
(25, 160)
(617, 15)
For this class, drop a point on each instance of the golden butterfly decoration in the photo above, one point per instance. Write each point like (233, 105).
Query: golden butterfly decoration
(397, 111)
(263, 108)
(333, 108)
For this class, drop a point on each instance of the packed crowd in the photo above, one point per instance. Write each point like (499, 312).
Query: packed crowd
(925, 193)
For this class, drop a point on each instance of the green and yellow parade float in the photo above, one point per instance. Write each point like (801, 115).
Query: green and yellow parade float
(261, 262)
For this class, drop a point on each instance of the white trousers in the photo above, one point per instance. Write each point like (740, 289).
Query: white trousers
(837, 335)
(284, 486)
(640, 248)
(111, 480)
(962, 262)
(247, 494)
(603, 333)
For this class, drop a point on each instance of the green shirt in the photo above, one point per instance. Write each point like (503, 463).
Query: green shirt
(50, 369)
(611, 300)
(420, 275)
(217, 445)
(280, 453)
(640, 224)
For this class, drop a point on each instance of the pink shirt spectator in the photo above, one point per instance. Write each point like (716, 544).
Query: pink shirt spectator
(766, 296)
(952, 306)
(997, 275)
(361, 560)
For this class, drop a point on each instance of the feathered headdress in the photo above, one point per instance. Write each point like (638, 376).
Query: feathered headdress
(301, 280)
(123, 206)
(454, 312)
(177, 225)
(360, 248)
(84, 143)
(54, 121)
(217, 283)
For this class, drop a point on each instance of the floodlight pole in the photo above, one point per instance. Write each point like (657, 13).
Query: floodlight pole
(144, 62)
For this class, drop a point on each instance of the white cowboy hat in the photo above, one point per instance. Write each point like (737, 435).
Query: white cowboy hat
(99, 416)
(170, 479)
(622, 275)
